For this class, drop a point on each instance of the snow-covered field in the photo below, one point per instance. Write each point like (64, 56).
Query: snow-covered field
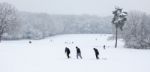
(48, 55)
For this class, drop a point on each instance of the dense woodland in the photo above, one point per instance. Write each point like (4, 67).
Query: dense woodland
(26, 25)
(41, 25)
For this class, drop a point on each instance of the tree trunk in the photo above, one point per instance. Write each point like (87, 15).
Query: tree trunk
(0, 38)
(1, 33)
(116, 37)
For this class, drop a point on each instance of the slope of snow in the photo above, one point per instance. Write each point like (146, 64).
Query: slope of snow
(48, 55)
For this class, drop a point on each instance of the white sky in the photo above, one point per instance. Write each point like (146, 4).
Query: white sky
(92, 7)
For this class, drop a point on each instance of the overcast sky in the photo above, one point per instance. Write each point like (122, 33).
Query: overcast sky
(92, 7)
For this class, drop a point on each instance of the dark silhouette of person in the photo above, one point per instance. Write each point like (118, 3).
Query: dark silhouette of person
(30, 42)
(67, 51)
(96, 53)
(104, 47)
(78, 52)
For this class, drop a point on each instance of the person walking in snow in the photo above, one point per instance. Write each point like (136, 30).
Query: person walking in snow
(96, 53)
(104, 47)
(78, 52)
(67, 51)
(30, 42)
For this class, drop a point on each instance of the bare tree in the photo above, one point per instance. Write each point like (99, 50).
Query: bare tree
(7, 17)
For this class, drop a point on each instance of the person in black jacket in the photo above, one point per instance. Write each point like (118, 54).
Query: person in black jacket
(67, 51)
(96, 53)
(104, 47)
(78, 52)
(30, 42)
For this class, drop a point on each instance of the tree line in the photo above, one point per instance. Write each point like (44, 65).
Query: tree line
(26, 25)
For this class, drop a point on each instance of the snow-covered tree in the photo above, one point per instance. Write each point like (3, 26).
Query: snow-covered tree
(7, 17)
(118, 20)
(136, 32)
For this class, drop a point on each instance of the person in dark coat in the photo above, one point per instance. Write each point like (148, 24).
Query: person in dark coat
(78, 52)
(67, 51)
(96, 53)
(30, 42)
(104, 47)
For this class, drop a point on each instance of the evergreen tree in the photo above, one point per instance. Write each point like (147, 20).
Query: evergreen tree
(119, 20)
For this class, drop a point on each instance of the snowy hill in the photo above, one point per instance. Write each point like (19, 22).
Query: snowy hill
(48, 55)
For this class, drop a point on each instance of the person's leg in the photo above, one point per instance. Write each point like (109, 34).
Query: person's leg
(97, 57)
(77, 55)
(67, 55)
(80, 56)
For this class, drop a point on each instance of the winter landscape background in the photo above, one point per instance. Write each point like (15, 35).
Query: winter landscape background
(34, 34)
(47, 55)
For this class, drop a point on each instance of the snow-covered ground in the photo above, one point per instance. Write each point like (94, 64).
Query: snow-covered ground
(48, 55)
